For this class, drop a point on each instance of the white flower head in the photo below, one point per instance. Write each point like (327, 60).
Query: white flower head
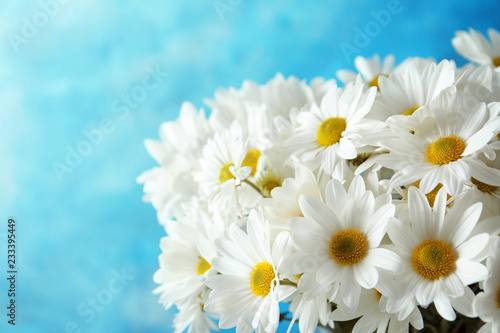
(187, 253)
(444, 147)
(247, 291)
(284, 203)
(404, 92)
(338, 242)
(171, 184)
(374, 315)
(327, 135)
(221, 169)
(369, 68)
(475, 47)
(439, 254)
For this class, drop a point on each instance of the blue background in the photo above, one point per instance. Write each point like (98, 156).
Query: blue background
(73, 232)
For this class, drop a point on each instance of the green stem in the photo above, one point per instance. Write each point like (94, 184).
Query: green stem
(255, 187)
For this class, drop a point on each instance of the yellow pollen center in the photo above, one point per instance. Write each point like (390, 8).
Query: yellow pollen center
(411, 110)
(348, 247)
(268, 181)
(225, 174)
(496, 61)
(431, 196)
(261, 278)
(251, 160)
(378, 294)
(445, 149)
(374, 81)
(483, 187)
(202, 266)
(433, 259)
(330, 131)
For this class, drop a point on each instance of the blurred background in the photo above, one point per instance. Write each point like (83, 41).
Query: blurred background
(98, 77)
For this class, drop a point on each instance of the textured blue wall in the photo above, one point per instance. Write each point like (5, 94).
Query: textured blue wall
(80, 226)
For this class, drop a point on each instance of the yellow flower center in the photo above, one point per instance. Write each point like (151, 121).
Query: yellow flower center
(445, 149)
(496, 61)
(202, 266)
(360, 159)
(433, 259)
(330, 131)
(268, 181)
(431, 196)
(483, 187)
(374, 81)
(348, 247)
(411, 110)
(378, 295)
(251, 160)
(261, 278)
(225, 174)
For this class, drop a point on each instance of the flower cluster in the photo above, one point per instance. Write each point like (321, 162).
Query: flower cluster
(374, 203)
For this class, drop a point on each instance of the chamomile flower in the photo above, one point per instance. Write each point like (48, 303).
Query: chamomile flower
(438, 253)
(443, 147)
(221, 169)
(193, 319)
(404, 92)
(487, 303)
(374, 315)
(284, 203)
(247, 291)
(369, 68)
(172, 183)
(338, 242)
(187, 252)
(311, 310)
(475, 47)
(327, 135)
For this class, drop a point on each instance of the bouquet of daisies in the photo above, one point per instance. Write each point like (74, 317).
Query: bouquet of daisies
(370, 205)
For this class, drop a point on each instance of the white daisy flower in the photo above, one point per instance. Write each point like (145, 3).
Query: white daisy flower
(221, 169)
(440, 256)
(487, 303)
(193, 319)
(489, 195)
(284, 203)
(374, 315)
(404, 92)
(475, 47)
(187, 253)
(481, 82)
(369, 68)
(311, 311)
(279, 95)
(338, 241)
(443, 148)
(171, 184)
(327, 136)
(247, 291)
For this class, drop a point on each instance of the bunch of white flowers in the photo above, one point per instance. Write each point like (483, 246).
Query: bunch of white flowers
(375, 205)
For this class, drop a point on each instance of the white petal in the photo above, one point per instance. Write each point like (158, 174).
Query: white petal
(470, 271)
(384, 258)
(444, 308)
(366, 275)
(472, 247)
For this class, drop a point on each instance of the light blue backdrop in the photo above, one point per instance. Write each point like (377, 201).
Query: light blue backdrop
(65, 67)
